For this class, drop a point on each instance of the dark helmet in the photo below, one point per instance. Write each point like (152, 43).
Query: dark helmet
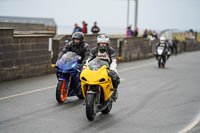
(78, 36)
(103, 39)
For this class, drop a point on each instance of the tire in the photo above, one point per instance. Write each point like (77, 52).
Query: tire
(163, 62)
(108, 109)
(90, 107)
(159, 63)
(163, 65)
(61, 92)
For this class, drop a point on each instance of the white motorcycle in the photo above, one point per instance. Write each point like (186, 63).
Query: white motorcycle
(161, 56)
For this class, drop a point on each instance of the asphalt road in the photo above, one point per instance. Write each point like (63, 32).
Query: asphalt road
(151, 100)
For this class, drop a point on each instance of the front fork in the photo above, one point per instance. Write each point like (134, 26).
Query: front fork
(68, 82)
(96, 91)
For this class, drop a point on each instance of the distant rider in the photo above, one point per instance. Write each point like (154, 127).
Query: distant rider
(163, 43)
(106, 52)
(175, 45)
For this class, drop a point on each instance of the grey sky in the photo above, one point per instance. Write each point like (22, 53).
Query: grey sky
(154, 14)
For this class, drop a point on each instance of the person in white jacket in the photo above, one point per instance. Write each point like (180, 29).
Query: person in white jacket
(104, 51)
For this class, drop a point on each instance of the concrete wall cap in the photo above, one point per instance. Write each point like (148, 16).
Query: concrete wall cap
(34, 35)
(6, 28)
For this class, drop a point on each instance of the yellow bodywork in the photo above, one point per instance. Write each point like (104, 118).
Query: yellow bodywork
(91, 77)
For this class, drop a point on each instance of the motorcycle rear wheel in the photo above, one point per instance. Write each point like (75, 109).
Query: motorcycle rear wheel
(61, 92)
(90, 107)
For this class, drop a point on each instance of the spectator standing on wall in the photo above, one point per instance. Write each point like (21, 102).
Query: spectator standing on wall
(154, 34)
(145, 34)
(84, 29)
(95, 29)
(150, 35)
(129, 32)
(76, 28)
(135, 33)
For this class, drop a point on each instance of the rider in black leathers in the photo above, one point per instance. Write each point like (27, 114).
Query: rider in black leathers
(106, 52)
(175, 45)
(78, 46)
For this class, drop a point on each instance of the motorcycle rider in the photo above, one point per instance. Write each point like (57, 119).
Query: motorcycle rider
(163, 43)
(104, 51)
(175, 45)
(77, 45)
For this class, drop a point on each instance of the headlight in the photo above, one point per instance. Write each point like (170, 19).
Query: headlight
(73, 65)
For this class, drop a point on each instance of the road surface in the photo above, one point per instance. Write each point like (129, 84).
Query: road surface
(151, 100)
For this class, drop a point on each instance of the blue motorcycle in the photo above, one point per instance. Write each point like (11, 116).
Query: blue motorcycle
(68, 73)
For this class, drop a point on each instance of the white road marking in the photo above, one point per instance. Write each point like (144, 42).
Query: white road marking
(191, 125)
(28, 92)
(42, 89)
(135, 67)
(122, 79)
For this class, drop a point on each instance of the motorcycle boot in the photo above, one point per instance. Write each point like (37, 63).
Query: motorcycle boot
(115, 95)
(115, 82)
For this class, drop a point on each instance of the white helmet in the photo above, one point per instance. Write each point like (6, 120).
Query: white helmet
(103, 39)
(162, 39)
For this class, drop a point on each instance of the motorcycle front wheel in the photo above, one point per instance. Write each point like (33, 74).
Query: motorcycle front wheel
(90, 107)
(159, 63)
(61, 92)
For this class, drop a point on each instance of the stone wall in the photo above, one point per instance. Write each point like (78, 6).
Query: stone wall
(134, 49)
(23, 56)
(28, 27)
(191, 45)
(127, 49)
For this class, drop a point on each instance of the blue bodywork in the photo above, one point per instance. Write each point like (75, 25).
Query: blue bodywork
(65, 69)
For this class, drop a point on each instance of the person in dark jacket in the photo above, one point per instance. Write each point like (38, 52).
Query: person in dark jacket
(77, 28)
(104, 51)
(77, 45)
(145, 34)
(135, 32)
(95, 29)
(154, 34)
(175, 45)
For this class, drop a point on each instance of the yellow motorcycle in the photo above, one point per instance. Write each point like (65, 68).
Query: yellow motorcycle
(97, 88)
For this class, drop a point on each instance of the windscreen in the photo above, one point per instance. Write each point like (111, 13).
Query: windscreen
(69, 56)
(97, 63)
